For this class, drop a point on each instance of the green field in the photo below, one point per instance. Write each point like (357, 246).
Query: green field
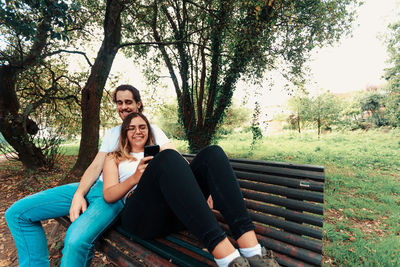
(362, 189)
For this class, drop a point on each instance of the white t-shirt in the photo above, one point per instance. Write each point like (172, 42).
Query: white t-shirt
(111, 139)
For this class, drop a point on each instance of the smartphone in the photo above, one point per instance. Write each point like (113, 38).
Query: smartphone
(151, 150)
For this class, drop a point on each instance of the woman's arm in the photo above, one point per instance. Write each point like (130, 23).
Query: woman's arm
(113, 190)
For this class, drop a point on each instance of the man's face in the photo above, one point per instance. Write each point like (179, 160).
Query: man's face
(126, 104)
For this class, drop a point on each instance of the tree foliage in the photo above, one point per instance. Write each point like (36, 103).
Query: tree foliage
(392, 109)
(372, 105)
(237, 118)
(34, 74)
(392, 75)
(31, 31)
(299, 106)
(325, 111)
(208, 45)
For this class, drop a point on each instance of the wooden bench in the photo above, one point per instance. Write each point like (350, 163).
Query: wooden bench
(284, 200)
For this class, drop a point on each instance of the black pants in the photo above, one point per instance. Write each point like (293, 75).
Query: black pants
(171, 195)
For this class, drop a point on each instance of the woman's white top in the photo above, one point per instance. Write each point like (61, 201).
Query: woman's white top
(128, 167)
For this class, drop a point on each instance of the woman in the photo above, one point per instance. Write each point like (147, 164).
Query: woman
(167, 194)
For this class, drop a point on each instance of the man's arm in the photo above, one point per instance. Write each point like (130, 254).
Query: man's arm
(78, 204)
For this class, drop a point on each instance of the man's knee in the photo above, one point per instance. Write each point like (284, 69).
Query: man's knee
(11, 214)
(75, 241)
(14, 213)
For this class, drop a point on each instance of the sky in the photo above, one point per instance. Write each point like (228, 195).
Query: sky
(352, 64)
(359, 60)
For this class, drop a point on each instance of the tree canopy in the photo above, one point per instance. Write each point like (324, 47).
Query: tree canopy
(31, 31)
(208, 45)
(392, 74)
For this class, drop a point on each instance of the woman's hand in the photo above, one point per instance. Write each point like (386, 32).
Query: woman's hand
(113, 190)
(141, 168)
(210, 202)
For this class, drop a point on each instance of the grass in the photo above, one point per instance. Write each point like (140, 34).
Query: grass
(362, 188)
(70, 148)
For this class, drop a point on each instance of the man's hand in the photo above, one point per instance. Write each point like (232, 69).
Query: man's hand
(78, 206)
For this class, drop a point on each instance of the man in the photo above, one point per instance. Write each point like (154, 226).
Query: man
(89, 213)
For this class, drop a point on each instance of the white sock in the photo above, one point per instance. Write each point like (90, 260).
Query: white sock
(224, 262)
(250, 252)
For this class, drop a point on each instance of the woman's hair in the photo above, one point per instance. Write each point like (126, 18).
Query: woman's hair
(123, 151)
(133, 90)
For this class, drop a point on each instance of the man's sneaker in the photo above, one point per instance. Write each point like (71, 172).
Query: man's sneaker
(239, 262)
(267, 259)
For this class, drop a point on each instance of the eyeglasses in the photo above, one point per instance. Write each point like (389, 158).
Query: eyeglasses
(142, 128)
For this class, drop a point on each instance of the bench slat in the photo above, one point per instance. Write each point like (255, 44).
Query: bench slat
(283, 191)
(290, 238)
(285, 172)
(290, 251)
(116, 255)
(163, 250)
(290, 215)
(303, 184)
(134, 248)
(286, 225)
(278, 164)
(292, 254)
(284, 260)
(187, 249)
(283, 202)
(196, 247)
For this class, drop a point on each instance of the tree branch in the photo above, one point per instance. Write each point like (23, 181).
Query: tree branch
(70, 52)
(211, 11)
(167, 60)
(216, 36)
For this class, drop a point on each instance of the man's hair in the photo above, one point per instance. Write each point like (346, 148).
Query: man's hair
(133, 90)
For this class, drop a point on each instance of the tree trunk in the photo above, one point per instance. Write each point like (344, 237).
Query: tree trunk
(199, 139)
(93, 90)
(319, 126)
(14, 127)
(298, 123)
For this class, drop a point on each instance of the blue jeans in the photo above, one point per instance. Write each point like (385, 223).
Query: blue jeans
(24, 216)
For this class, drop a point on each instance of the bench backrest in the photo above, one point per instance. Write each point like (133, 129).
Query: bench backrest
(285, 202)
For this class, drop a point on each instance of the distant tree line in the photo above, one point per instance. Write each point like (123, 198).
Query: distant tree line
(362, 110)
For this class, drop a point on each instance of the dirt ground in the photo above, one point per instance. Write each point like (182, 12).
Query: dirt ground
(16, 183)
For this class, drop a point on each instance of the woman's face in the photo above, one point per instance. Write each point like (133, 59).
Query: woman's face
(137, 134)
